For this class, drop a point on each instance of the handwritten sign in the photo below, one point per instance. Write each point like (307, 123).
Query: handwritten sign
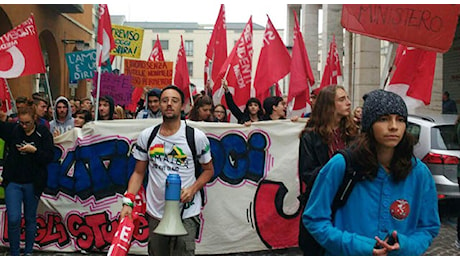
(149, 73)
(128, 41)
(82, 65)
(116, 86)
(428, 27)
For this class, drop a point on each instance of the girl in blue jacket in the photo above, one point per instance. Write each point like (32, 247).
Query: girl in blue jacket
(394, 210)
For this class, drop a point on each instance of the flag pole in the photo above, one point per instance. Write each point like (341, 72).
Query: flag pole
(96, 110)
(12, 98)
(225, 77)
(49, 90)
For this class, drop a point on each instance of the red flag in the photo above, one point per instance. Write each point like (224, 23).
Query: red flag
(5, 97)
(413, 76)
(105, 41)
(20, 52)
(301, 78)
(157, 52)
(181, 76)
(217, 46)
(333, 68)
(426, 26)
(237, 70)
(274, 61)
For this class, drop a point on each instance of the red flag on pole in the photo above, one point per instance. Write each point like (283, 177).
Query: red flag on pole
(301, 78)
(237, 70)
(20, 52)
(157, 52)
(413, 77)
(105, 41)
(181, 76)
(217, 47)
(274, 61)
(5, 97)
(333, 67)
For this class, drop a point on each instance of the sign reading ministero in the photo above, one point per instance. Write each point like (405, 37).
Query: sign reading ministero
(128, 41)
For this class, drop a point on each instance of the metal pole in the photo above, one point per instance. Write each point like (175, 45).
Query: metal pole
(49, 91)
(12, 98)
(96, 110)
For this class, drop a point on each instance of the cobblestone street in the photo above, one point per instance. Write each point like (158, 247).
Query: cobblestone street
(443, 245)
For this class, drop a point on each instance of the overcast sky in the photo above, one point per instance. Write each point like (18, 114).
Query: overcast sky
(203, 11)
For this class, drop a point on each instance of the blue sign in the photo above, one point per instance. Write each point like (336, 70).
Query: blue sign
(82, 65)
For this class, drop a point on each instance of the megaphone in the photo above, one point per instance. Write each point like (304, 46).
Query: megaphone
(171, 223)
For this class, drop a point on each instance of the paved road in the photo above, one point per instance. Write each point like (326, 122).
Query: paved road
(443, 245)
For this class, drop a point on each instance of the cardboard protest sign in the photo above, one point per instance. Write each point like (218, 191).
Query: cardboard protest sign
(117, 86)
(428, 27)
(128, 41)
(149, 73)
(82, 65)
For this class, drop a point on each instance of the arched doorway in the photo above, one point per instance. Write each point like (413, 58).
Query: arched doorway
(52, 63)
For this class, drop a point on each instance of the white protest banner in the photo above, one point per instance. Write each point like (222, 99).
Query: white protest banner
(251, 202)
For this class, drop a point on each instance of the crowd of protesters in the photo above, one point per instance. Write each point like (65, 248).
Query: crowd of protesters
(375, 132)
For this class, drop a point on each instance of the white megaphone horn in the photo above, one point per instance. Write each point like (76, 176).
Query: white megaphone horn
(171, 223)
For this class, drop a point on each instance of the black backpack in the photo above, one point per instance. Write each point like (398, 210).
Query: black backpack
(307, 243)
(190, 136)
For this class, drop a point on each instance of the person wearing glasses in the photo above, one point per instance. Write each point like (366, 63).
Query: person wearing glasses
(30, 150)
(220, 113)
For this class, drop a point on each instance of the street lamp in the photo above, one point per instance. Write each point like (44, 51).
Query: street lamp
(79, 44)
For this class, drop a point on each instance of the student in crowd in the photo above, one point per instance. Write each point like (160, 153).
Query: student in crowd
(41, 104)
(30, 150)
(201, 110)
(329, 129)
(394, 210)
(106, 108)
(171, 136)
(275, 108)
(220, 113)
(153, 105)
(63, 120)
(73, 107)
(86, 104)
(82, 117)
(313, 96)
(253, 111)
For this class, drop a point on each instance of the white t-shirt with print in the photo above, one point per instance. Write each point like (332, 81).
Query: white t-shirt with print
(167, 155)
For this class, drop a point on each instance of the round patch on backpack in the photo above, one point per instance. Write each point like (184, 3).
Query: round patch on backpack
(400, 209)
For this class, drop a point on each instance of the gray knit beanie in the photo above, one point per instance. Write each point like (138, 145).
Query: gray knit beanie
(378, 103)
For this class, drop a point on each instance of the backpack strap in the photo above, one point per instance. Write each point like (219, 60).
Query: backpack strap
(152, 135)
(190, 135)
(350, 178)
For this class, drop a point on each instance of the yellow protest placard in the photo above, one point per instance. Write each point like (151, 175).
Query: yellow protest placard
(128, 41)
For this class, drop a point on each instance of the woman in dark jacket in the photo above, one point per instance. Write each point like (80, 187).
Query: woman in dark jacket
(329, 129)
(30, 150)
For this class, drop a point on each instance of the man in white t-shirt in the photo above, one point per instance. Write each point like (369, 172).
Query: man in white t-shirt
(169, 153)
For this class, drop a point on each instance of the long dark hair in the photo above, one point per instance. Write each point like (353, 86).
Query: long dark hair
(260, 113)
(322, 117)
(364, 154)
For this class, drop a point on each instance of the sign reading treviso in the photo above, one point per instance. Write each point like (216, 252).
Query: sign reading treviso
(128, 41)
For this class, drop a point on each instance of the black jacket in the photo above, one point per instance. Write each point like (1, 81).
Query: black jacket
(27, 167)
(313, 154)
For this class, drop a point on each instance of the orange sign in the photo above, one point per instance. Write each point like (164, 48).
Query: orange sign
(156, 74)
